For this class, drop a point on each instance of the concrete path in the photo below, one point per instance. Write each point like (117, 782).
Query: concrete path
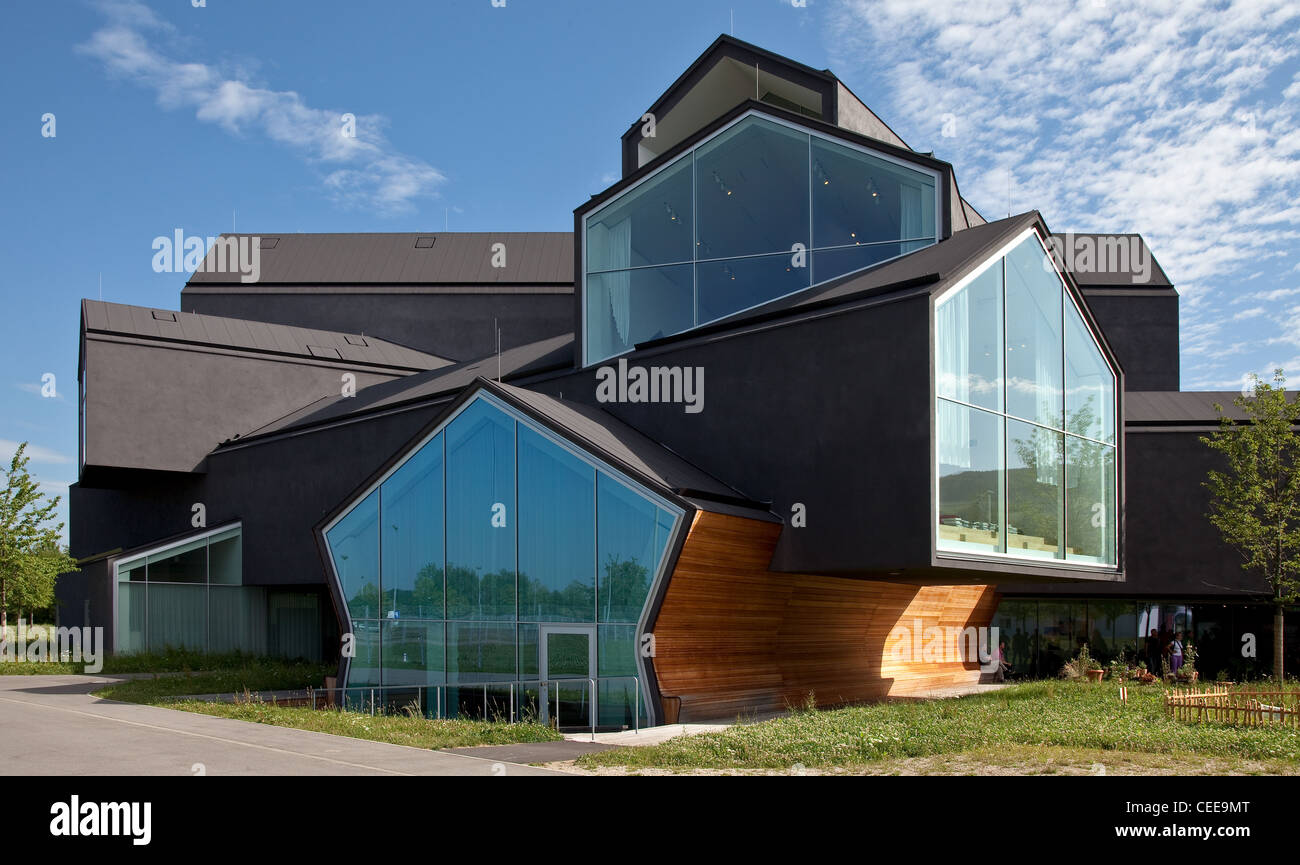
(50, 725)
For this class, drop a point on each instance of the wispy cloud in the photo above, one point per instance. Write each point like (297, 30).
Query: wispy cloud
(364, 170)
(1173, 118)
(36, 453)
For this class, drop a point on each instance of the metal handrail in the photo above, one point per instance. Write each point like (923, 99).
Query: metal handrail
(510, 684)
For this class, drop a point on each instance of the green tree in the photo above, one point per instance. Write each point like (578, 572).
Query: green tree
(1255, 504)
(30, 556)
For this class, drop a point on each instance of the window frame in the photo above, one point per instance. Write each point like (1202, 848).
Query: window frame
(688, 152)
(939, 553)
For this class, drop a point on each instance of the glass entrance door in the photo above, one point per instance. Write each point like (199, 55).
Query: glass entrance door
(568, 665)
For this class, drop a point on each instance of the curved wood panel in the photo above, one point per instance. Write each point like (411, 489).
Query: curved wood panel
(734, 638)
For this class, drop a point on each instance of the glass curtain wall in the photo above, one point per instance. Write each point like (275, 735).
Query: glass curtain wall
(496, 535)
(1041, 634)
(191, 596)
(754, 213)
(1025, 418)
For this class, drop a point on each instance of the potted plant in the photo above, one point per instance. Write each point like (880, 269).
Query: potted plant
(1187, 673)
(1083, 665)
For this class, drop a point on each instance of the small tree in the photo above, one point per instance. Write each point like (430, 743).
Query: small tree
(1255, 504)
(30, 555)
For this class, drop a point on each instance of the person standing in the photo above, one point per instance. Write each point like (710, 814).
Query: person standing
(1153, 652)
(1176, 652)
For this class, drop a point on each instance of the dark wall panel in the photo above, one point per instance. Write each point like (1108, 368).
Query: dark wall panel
(832, 413)
(454, 326)
(1143, 332)
(279, 489)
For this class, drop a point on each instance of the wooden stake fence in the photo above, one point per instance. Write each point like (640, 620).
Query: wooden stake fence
(1245, 707)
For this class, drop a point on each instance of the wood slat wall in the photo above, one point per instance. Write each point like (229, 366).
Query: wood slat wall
(734, 638)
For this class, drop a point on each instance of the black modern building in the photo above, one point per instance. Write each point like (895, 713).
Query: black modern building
(782, 398)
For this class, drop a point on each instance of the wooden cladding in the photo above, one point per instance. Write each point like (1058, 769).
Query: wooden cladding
(734, 638)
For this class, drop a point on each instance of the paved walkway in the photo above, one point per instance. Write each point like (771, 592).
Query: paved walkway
(51, 725)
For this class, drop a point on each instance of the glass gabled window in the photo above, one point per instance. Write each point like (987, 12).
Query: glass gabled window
(759, 210)
(1025, 417)
(490, 538)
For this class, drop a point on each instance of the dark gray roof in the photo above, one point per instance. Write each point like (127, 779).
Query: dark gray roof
(1101, 275)
(534, 260)
(547, 354)
(1189, 407)
(190, 330)
(607, 436)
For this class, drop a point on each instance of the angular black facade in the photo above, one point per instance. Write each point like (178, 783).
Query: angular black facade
(277, 407)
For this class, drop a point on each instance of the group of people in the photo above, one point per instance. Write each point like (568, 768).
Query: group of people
(1162, 647)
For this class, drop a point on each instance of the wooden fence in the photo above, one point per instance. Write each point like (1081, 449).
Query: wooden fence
(1243, 707)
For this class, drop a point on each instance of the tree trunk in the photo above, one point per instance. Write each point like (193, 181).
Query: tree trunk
(1278, 624)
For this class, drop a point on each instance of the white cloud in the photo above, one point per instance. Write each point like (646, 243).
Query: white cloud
(36, 453)
(1253, 312)
(364, 170)
(1163, 117)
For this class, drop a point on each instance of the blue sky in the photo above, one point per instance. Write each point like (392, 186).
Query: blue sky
(1177, 120)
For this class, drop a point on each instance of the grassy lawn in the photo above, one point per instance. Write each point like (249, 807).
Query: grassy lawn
(166, 661)
(264, 675)
(1030, 726)
(252, 674)
(395, 729)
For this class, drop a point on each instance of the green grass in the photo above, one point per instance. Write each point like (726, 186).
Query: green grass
(251, 674)
(165, 661)
(403, 729)
(1043, 715)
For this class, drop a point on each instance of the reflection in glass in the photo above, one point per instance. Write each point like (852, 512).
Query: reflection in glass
(1034, 341)
(818, 208)
(1090, 529)
(1017, 624)
(1061, 625)
(626, 307)
(751, 191)
(968, 342)
(970, 479)
(557, 533)
(1089, 383)
(649, 225)
(566, 512)
(480, 651)
(412, 555)
(354, 545)
(131, 612)
(481, 514)
(735, 284)
(627, 551)
(413, 652)
(184, 564)
(859, 198)
(225, 557)
(364, 668)
(830, 263)
(237, 621)
(1035, 491)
